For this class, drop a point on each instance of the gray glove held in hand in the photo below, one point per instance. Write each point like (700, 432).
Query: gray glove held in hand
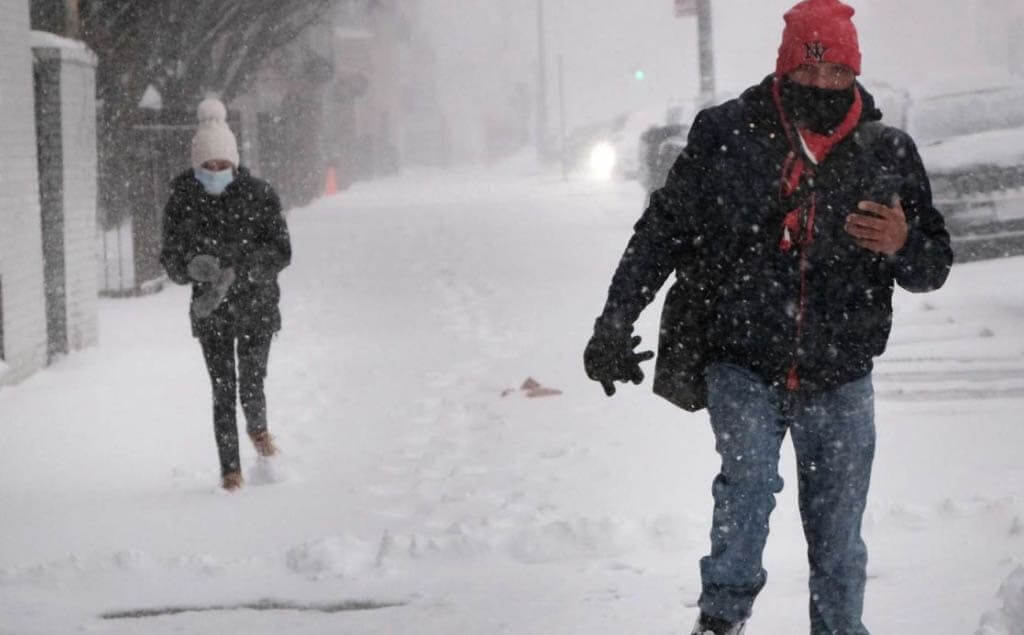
(205, 304)
(204, 268)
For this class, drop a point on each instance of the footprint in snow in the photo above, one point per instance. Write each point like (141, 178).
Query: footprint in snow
(268, 471)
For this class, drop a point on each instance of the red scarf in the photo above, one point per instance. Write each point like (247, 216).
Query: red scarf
(807, 146)
(807, 150)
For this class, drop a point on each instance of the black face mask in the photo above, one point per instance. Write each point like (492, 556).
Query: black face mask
(819, 109)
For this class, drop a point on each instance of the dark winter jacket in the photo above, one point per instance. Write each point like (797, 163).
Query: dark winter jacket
(718, 223)
(245, 229)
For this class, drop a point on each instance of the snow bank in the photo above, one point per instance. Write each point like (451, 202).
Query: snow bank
(579, 538)
(995, 147)
(1008, 620)
(267, 472)
(968, 80)
(336, 556)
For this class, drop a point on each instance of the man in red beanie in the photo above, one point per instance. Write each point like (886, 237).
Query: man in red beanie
(788, 219)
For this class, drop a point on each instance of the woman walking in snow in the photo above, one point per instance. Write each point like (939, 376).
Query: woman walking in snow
(224, 234)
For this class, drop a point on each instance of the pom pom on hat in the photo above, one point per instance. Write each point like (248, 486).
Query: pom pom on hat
(212, 110)
(214, 140)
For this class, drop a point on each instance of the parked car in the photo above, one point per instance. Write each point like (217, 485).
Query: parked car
(658, 149)
(590, 149)
(613, 148)
(661, 143)
(972, 142)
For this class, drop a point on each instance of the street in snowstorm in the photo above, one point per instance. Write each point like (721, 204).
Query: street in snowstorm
(436, 317)
(416, 474)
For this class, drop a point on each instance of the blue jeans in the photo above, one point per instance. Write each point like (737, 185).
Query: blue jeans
(834, 439)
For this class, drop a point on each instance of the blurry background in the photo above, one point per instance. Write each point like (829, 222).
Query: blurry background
(482, 50)
(326, 93)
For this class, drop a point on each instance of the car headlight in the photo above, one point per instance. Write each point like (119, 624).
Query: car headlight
(603, 158)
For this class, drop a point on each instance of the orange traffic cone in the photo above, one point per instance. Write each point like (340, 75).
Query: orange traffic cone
(331, 186)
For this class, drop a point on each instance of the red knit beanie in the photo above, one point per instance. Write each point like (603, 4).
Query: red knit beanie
(819, 31)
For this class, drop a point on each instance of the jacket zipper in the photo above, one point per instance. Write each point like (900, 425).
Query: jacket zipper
(807, 229)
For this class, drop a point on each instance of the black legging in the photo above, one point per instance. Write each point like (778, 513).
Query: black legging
(253, 352)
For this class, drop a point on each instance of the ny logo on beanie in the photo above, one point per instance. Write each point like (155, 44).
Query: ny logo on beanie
(818, 31)
(815, 51)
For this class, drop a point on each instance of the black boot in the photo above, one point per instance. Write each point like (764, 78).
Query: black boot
(708, 625)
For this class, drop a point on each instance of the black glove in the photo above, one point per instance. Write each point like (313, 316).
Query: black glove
(610, 357)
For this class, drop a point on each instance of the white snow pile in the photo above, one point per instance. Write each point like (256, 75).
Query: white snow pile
(1008, 620)
(268, 472)
(336, 556)
(1003, 148)
(574, 539)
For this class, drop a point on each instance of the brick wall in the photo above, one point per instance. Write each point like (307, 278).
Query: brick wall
(66, 123)
(78, 94)
(21, 254)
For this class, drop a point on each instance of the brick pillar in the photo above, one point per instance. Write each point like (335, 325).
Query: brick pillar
(66, 130)
(22, 304)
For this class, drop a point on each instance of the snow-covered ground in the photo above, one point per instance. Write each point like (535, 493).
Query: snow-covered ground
(408, 479)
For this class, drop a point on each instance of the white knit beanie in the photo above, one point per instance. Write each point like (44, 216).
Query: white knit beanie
(214, 139)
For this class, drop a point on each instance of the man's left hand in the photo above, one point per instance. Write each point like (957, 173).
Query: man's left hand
(883, 229)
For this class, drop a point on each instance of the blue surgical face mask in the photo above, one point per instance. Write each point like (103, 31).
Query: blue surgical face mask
(215, 182)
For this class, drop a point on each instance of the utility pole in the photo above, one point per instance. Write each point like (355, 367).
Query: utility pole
(72, 22)
(542, 81)
(707, 55)
(561, 117)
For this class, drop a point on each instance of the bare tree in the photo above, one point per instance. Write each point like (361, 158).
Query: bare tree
(185, 47)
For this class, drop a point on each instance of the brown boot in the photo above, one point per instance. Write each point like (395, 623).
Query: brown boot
(231, 481)
(264, 443)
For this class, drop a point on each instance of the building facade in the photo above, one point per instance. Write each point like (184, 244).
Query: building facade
(354, 95)
(65, 108)
(48, 234)
(23, 344)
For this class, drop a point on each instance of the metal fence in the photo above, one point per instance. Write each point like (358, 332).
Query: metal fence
(137, 166)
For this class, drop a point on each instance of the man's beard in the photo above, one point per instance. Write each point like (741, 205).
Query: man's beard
(819, 109)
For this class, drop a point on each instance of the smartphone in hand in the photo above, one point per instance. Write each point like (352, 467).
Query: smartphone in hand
(884, 188)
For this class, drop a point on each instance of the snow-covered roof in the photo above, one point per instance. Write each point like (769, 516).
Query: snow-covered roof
(70, 49)
(953, 82)
(994, 147)
(52, 40)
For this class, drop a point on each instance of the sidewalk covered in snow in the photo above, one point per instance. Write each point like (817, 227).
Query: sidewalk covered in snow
(420, 491)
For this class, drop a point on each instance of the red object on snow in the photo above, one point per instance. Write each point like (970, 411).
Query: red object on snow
(533, 389)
